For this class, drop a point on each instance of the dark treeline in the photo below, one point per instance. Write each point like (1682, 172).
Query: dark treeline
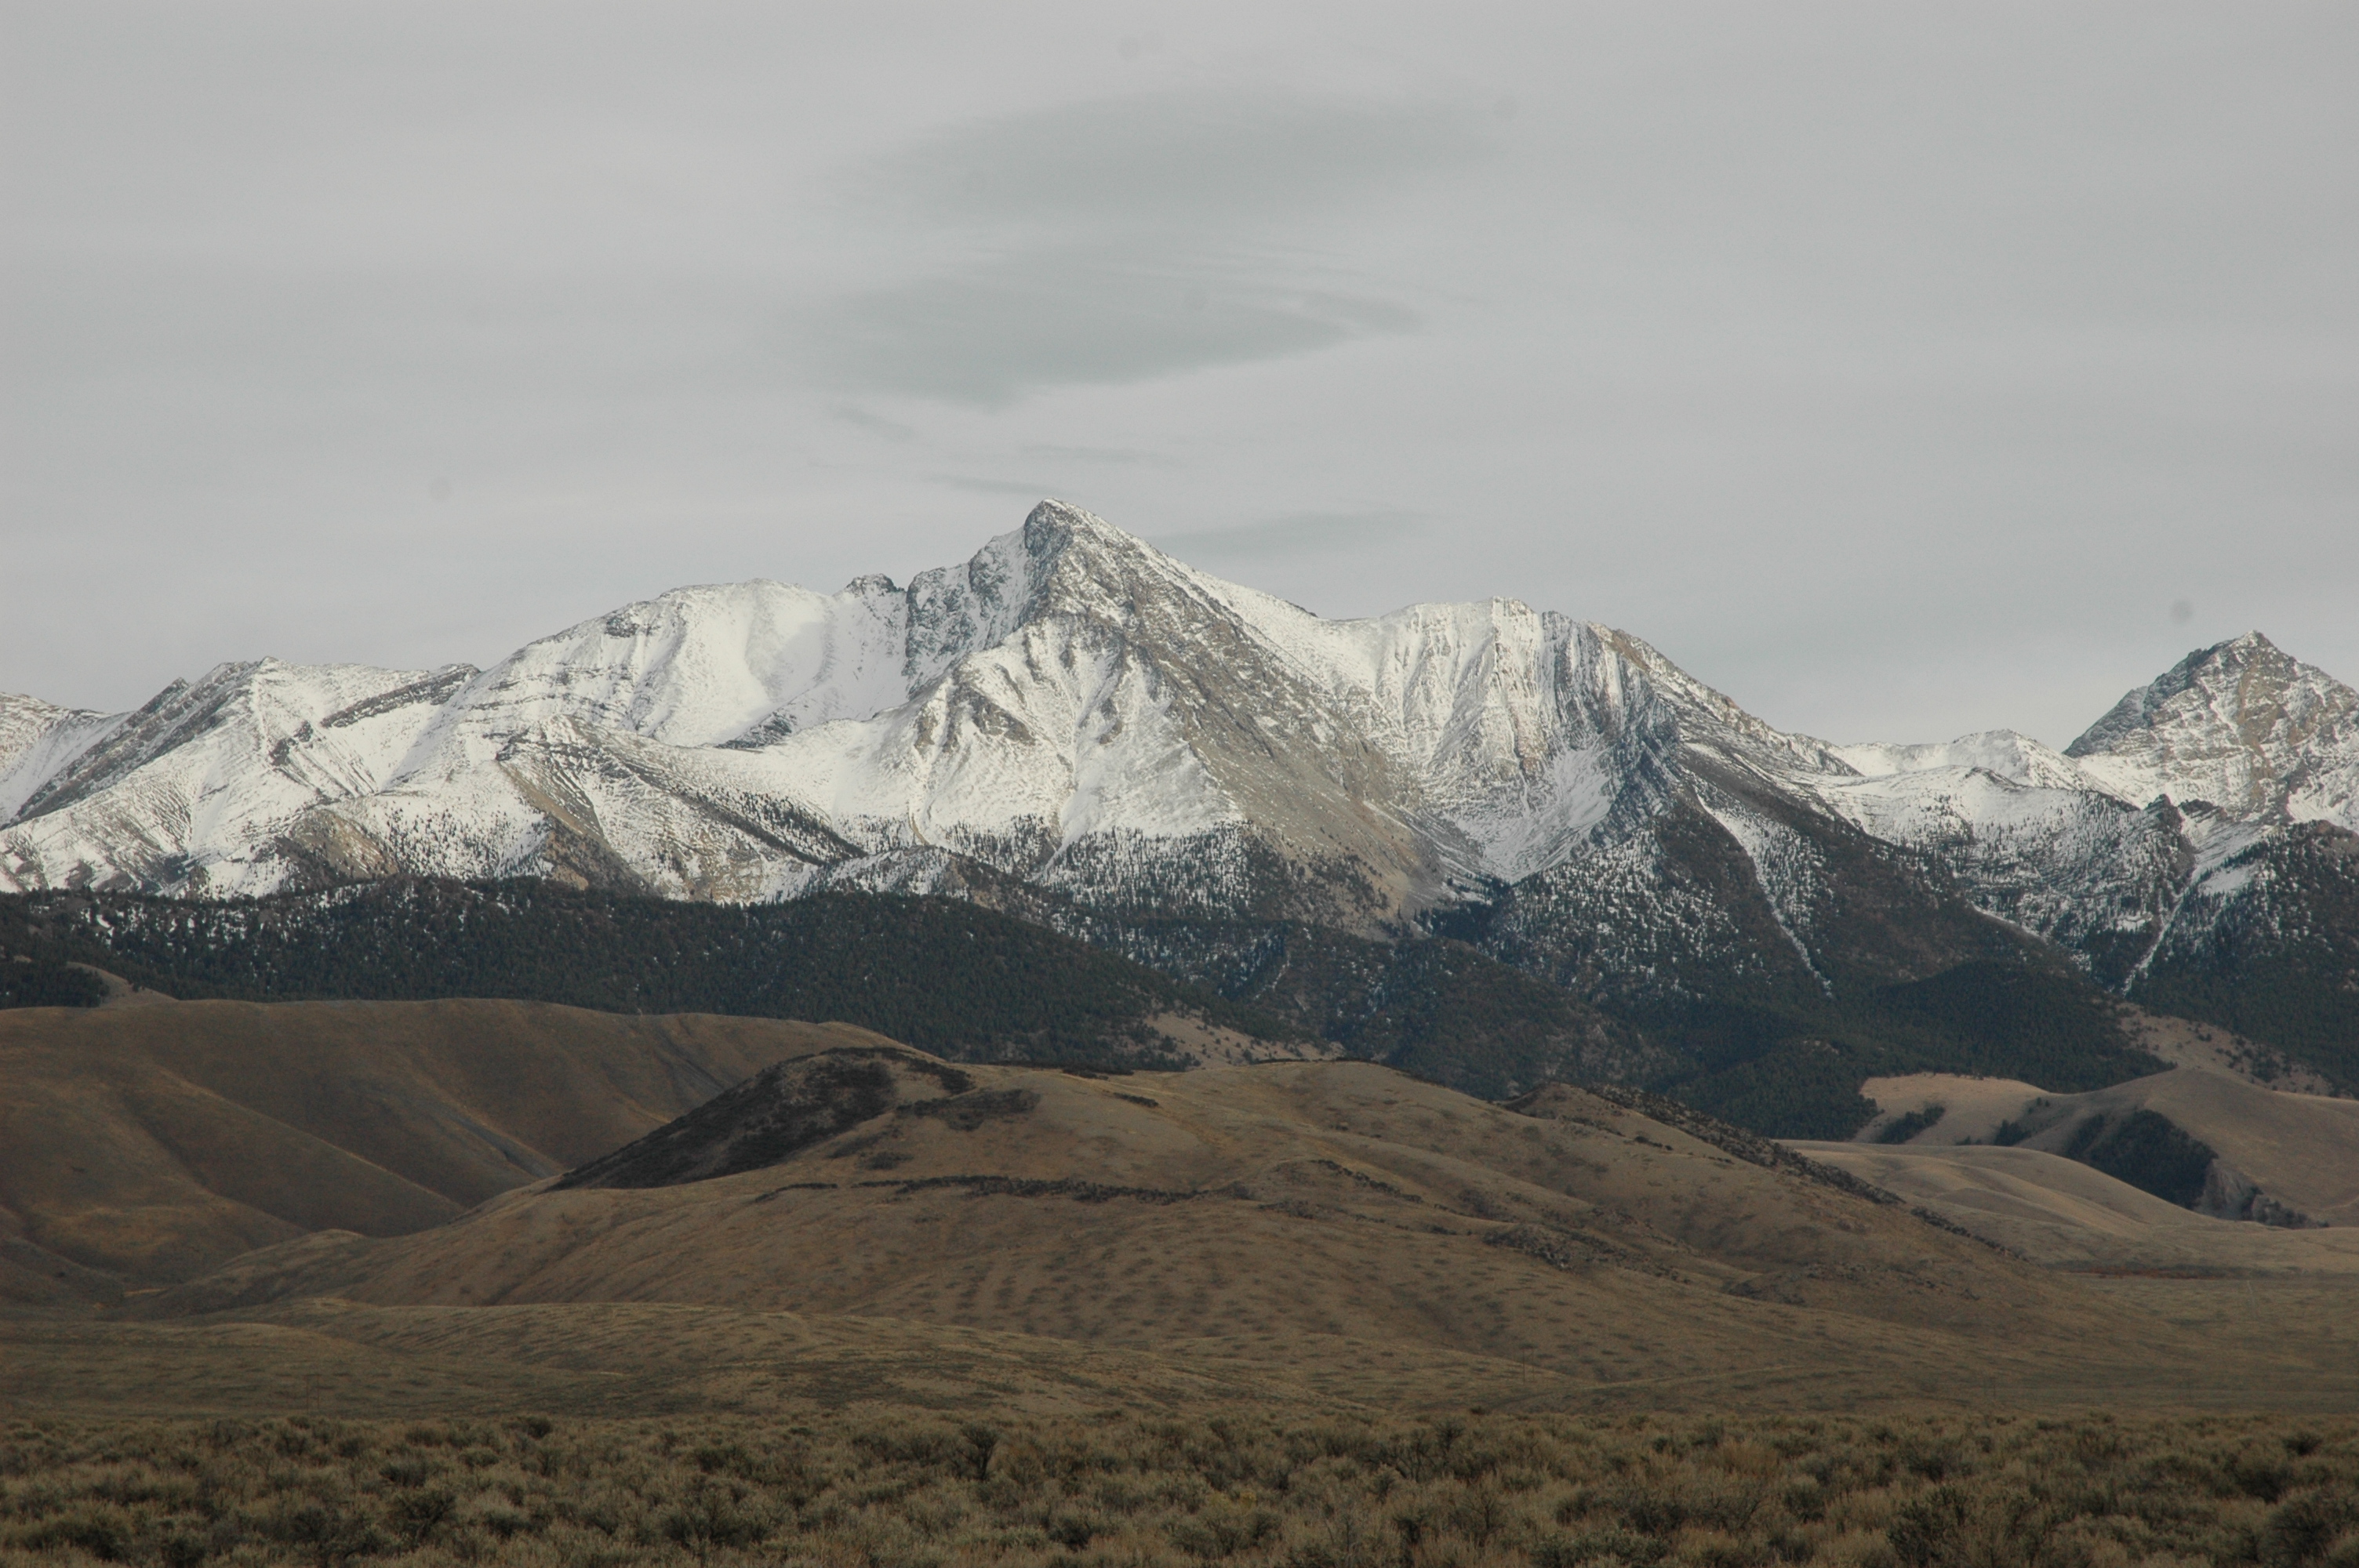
(1795, 1072)
(964, 981)
(35, 968)
(945, 976)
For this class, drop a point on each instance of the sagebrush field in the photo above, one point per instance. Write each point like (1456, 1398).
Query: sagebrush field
(1129, 1491)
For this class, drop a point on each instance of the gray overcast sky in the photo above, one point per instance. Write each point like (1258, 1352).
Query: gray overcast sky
(1901, 369)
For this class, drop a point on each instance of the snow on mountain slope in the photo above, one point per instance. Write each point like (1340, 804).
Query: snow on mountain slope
(1069, 706)
(697, 667)
(37, 741)
(1515, 732)
(1075, 709)
(566, 758)
(2140, 836)
(2072, 864)
(2003, 753)
(1065, 690)
(190, 791)
(2241, 725)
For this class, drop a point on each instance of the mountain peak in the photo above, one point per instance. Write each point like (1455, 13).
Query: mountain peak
(1071, 705)
(1057, 534)
(1054, 519)
(2241, 723)
(2234, 682)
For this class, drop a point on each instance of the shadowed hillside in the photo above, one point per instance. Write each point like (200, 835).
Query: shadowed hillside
(974, 985)
(946, 974)
(2195, 1137)
(2060, 1212)
(142, 1144)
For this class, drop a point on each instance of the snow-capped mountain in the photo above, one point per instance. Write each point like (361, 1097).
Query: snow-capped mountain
(1069, 706)
(1077, 716)
(207, 774)
(39, 741)
(2139, 826)
(2242, 726)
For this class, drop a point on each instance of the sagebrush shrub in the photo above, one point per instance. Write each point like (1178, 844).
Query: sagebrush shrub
(869, 1491)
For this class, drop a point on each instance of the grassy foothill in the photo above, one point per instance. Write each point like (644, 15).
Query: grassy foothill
(1128, 1491)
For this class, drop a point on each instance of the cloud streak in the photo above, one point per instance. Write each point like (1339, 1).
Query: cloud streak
(1110, 242)
(1169, 163)
(1002, 330)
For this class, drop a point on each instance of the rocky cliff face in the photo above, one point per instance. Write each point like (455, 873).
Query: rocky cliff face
(2242, 726)
(1075, 723)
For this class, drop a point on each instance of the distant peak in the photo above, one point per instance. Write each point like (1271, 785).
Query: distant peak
(2229, 681)
(2253, 649)
(2235, 652)
(1059, 520)
(1052, 511)
(1062, 540)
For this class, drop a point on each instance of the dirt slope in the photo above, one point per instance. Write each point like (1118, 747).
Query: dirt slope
(152, 1142)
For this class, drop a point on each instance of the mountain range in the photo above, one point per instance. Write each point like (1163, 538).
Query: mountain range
(1075, 729)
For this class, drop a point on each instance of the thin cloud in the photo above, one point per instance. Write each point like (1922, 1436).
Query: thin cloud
(1167, 162)
(1009, 329)
(1124, 240)
(1115, 457)
(874, 424)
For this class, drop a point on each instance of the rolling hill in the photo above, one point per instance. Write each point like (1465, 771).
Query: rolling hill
(1339, 1227)
(2197, 1137)
(2062, 1213)
(143, 1144)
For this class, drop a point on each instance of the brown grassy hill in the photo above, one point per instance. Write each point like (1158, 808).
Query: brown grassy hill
(151, 1142)
(2185, 1043)
(2286, 1156)
(1336, 1229)
(2063, 1213)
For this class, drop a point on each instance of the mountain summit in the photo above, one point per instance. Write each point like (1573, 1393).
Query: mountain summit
(2241, 725)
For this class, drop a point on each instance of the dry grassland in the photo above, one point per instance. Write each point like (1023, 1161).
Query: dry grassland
(152, 1144)
(1293, 1316)
(1285, 1238)
(1125, 1492)
(1339, 1230)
